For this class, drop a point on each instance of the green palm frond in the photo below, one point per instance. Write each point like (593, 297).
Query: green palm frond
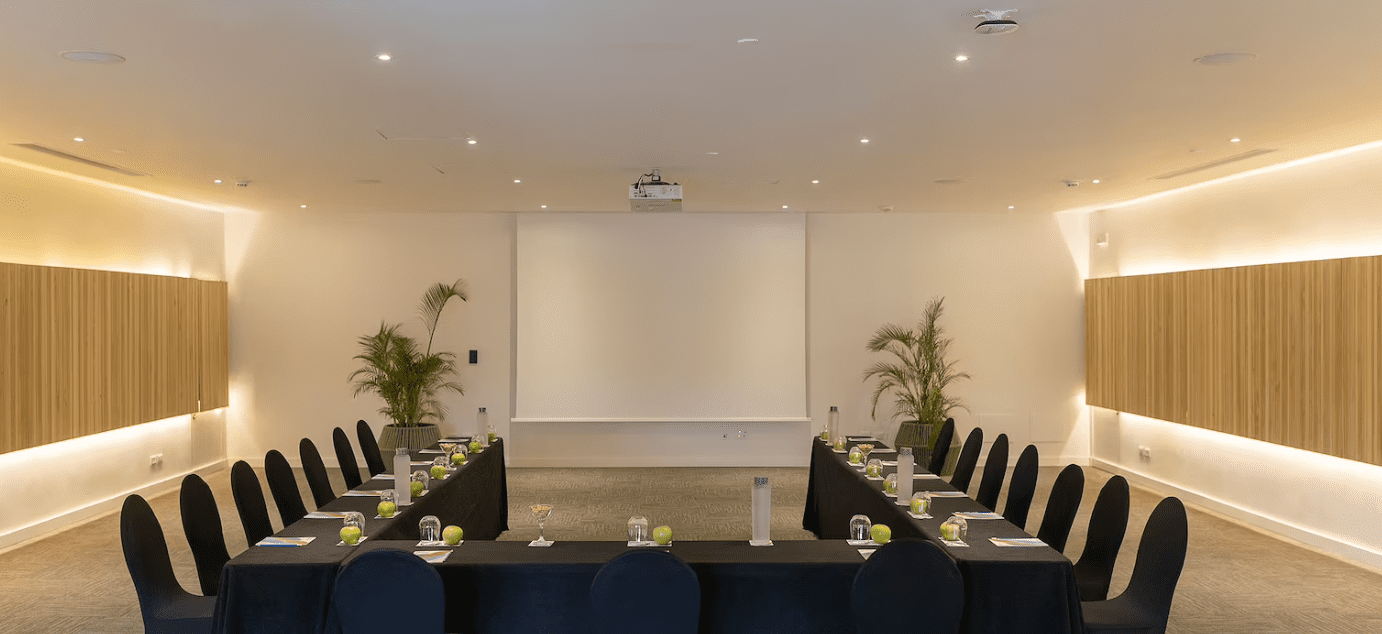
(407, 379)
(921, 373)
(434, 300)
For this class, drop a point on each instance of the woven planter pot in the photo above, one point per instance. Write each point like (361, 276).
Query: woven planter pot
(393, 437)
(917, 435)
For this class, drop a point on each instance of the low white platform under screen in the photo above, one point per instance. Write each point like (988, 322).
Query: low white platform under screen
(660, 443)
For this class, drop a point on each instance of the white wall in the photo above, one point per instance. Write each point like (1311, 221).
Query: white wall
(304, 287)
(52, 220)
(1316, 209)
(1013, 304)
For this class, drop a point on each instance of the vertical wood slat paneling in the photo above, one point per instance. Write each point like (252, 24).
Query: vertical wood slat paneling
(82, 351)
(1285, 353)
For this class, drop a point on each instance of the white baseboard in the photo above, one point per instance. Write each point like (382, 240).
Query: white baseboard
(52, 526)
(1352, 553)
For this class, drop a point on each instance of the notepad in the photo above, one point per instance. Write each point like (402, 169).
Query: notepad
(420, 463)
(951, 544)
(863, 439)
(946, 494)
(383, 476)
(1017, 542)
(431, 451)
(325, 515)
(433, 556)
(925, 476)
(285, 542)
(876, 451)
(978, 515)
(360, 494)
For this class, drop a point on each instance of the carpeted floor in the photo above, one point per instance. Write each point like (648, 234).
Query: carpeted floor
(1236, 579)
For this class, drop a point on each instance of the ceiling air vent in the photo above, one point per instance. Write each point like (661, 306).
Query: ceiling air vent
(85, 161)
(1204, 166)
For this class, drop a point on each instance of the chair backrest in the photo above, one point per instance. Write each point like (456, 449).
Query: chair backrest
(201, 522)
(1022, 488)
(941, 450)
(369, 448)
(249, 501)
(315, 470)
(345, 456)
(284, 486)
(969, 457)
(146, 556)
(368, 584)
(645, 591)
(995, 469)
(888, 581)
(1061, 507)
(1160, 560)
(1108, 523)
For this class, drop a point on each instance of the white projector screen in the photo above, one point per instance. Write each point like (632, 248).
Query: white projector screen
(661, 317)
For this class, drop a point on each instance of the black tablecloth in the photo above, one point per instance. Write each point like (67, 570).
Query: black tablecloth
(506, 587)
(1007, 590)
(276, 590)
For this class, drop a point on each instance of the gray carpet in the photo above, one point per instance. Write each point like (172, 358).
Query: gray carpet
(1236, 580)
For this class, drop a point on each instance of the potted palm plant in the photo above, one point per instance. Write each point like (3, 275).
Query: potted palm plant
(409, 378)
(917, 379)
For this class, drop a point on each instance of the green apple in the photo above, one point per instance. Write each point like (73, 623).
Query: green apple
(881, 533)
(856, 459)
(476, 447)
(890, 487)
(950, 532)
(493, 436)
(387, 509)
(918, 505)
(662, 535)
(416, 488)
(351, 535)
(438, 472)
(825, 436)
(458, 458)
(873, 471)
(452, 535)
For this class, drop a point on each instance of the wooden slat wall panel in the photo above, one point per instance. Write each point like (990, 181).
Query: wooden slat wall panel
(1285, 353)
(82, 352)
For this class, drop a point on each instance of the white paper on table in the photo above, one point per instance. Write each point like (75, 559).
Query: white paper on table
(888, 463)
(947, 494)
(925, 476)
(863, 438)
(281, 542)
(977, 515)
(433, 556)
(860, 542)
(455, 440)
(954, 544)
(876, 478)
(919, 516)
(866, 552)
(1017, 542)
(647, 544)
(383, 476)
(325, 515)
(419, 463)
(360, 494)
(882, 451)
(435, 544)
(357, 542)
(431, 451)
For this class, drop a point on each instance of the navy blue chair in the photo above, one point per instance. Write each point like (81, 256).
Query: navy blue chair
(1145, 606)
(201, 522)
(389, 577)
(941, 450)
(1061, 507)
(315, 470)
(969, 458)
(345, 456)
(1022, 488)
(250, 503)
(284, 486)
(369, 448)
(890, 580)
(646, 591)
(995, 469)
(1108, 524)
(166, 607)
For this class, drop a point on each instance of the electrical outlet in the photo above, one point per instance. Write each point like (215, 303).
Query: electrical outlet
(1145, 452)
(156, 460)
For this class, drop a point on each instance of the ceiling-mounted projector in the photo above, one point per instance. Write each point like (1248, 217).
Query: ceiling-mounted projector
(995, 22)
(655, 194)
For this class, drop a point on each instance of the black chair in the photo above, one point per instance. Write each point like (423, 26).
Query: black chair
(369, 584)
(345, 456)
(249, 501)
(645, 591)
(1022, 488)
(166, 607)
(1146, 605)
(315, 470)
(995, 469)
(284, 486)
(941, 450)
(1108, 523)
(969, 457)
(888, 581)
(369, 448)
(201, 522)
(1061, 507)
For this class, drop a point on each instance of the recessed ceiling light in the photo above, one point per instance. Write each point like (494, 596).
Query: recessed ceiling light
(712, 153)
(1011, 207)
(516, 180)
(784, 206)
(748, 40)
(863, 140)
(544, 206)
(383, 57)
(961, 58)
(304, 206)
(815, 182)
(217, 181)
(92, 57)
(1234, 140)
(471, 141)
(1224, 59)
(1095, 181)
(78, 139)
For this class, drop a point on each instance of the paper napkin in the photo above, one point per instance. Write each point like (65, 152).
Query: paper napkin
(433, 556)
(977, 515)
(325, 515)
(285, 542)
(1017, 542)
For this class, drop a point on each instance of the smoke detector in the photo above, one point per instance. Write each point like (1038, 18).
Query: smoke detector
(995, 21)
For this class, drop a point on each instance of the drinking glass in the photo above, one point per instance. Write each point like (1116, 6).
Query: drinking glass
(856, 456)
(859, 527)
(954, 529)
(921, 503)
(638, 529)
(839, 442)
(541, 512)
(388, 495)
(354, 519)
(424, 478)
(429, 529)
(890, 484)
(448, 448)
(866, 448)
(442, 461)
(874, 468)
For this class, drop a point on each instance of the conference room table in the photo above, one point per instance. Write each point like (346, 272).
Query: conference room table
(1007, 590)
(287, 589)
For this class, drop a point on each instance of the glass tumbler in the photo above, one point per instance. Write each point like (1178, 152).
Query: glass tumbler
(890, 484)
(638, 529)
(429, 529)
(856, 457)
(859, 527)
(954, 529)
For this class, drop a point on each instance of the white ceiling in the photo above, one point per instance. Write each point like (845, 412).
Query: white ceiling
(577, 99)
